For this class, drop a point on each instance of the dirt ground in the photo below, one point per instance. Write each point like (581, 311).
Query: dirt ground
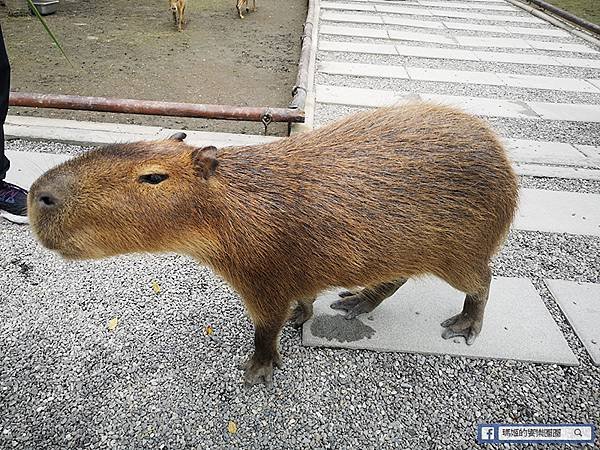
(131, 49)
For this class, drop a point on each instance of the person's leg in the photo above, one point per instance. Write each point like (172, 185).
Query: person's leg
(13, 199)
(4, 92)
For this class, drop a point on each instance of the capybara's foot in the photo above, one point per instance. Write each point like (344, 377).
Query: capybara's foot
(300, 314)
(462, 325)
(366, 300)
(354, 305)
(344, 294)
(260, 372)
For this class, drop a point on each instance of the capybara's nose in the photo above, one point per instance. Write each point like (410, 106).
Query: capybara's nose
(47, 200)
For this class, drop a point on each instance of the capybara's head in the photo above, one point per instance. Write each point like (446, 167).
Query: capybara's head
(138, 197)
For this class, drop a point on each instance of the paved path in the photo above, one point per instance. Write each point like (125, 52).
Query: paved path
(538, 86)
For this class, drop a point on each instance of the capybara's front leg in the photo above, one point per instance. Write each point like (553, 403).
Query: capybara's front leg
(469, 321)
(366, 300)
(268, 323)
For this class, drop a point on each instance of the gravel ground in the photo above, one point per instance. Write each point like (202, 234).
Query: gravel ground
(159, 381)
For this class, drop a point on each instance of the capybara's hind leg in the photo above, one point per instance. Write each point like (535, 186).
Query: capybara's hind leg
(366, 300)
(302, 312)
(468, 323)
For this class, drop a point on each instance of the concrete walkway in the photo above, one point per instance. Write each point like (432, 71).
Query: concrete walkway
(539, 87)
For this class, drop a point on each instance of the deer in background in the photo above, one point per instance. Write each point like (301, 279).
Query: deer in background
(240, 4)
(178, 10)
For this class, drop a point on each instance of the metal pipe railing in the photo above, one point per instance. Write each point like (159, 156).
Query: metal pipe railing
(300, 89)
(151, 107)
(589, 26)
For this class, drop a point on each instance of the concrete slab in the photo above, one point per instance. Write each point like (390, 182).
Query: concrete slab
(485, 16)
(357, 47)
(573, 173)
(567, 111)
(353, 31)
(476, 55)
(517, 325)
(454, 76)
(420, 37)
(401, 9)
(561, 47)
(475, 41)
(364, 70)
(347, 6)
(578, 62)
(333, 16)
(26, 167)
(469, 5)
(436, 53)
(99, 133)
(595, 82)
(580, 302)
(485, 106)
(506, 29)
(544, 152)
(589, 150)
(558, 212)
(360, 97)
(517, 58)
(554, 32)
(476, 27)
(206, 138)
(550, 83)
(392, 20)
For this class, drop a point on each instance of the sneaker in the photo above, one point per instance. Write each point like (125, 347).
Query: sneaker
(13, 203)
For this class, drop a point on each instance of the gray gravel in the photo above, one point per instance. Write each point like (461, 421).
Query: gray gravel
(158, 381)
(559, 184)
(550, 71)
(44, 146)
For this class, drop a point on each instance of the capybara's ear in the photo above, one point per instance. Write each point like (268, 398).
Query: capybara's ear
(178, 136)
(205, 161)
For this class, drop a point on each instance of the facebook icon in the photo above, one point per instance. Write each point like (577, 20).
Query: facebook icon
(487, 434)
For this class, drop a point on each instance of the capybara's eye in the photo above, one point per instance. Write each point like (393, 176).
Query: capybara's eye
(153, 178)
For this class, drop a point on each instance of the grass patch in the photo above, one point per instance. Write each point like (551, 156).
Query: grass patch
(586, 9)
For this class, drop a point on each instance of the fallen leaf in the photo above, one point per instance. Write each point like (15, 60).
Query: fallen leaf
(112, 323)
(209, 330)
(232, 427)
(156, 286)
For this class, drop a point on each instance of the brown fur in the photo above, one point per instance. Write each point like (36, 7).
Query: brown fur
(374, 198)
(178, 9)
(243, 4)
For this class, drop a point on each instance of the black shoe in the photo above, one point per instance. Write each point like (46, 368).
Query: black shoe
(13, 203)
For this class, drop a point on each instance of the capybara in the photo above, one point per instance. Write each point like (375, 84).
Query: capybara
(178, 9)
(368, 201)
(243, 4)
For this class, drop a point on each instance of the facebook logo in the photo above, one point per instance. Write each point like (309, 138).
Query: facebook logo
(487, 434)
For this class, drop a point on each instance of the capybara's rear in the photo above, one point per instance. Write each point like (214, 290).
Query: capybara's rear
(371, 200)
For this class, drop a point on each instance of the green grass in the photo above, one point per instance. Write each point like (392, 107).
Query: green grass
(586, 9)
